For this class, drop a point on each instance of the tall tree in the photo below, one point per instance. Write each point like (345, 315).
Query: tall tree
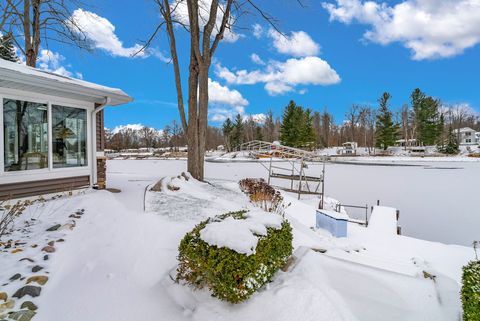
(206, 25)
(426, 117)
(386, 129)
(228, 129)
(269, 127)
(7, 50)
(238, 131)
(33, 22)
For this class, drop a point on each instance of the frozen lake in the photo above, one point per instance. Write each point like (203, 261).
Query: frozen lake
(437, 201)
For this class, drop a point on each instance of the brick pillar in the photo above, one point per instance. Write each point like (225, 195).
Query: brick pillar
(101, 172)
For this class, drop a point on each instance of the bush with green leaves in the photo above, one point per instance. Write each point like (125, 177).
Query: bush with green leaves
(471, 291)
(229, 275)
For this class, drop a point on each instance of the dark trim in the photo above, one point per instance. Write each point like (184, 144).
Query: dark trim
(41, 187)
(100, 131)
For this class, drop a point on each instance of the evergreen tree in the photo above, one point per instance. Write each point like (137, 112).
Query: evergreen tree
(307, 134)
(7, 51)
(451, 147)
(427, 118)
(288, 124)
(238, 131)
(227, 133)
(258, 133)
(386, 128)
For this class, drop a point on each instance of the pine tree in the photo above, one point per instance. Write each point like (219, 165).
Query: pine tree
(287, 126)
(307, 134)
(227, 133)
(427, 118)
(238, 131)
(386, 128)
(7, 51)
(451, 147)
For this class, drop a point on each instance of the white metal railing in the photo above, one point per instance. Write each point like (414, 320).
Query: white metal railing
(258, 147)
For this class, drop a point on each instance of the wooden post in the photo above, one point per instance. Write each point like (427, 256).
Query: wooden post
(270, 169)
(293, 173)
(323, 184)
(300, 178)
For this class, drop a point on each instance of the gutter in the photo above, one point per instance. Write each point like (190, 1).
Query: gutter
(94, 139)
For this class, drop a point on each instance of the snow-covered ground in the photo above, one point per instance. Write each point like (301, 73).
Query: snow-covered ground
(115, 263)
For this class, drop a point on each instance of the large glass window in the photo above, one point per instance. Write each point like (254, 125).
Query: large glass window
(25, 135)
(69, 134)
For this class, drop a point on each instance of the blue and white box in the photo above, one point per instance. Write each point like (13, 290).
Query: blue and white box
(334, 222)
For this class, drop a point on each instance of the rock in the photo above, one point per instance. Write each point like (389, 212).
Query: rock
(22, 315)
(39, 279)
(37, 268)
(34, 245)
(45, 257)
(54, 228)
(68, 226)
(30, 290)
(60, 240)
(16, 251)
(48, 249)
(3, 296)
(27, 259)
(7, 305)
(28, 305)
(16, 277)
(51, 243)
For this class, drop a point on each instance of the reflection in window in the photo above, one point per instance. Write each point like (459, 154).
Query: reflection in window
(69, 134)
(25, 135)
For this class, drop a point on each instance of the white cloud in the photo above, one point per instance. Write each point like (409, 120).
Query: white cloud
(125, 127)
(256, 59)
(297, 44)
(223, 95)
(282, 77)
(53, 62)
(101, 33)
(257, 31)
(429, 28)
(226, 103)
(180, 12)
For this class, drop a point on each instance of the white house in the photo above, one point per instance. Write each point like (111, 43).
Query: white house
(51, 136)
(468, 136)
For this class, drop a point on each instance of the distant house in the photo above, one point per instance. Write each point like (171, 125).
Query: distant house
(406, 143)
(468, 136)
(349, 148)
(52, 131)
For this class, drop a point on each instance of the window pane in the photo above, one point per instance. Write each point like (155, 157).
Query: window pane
(25, 135)
(69, 136)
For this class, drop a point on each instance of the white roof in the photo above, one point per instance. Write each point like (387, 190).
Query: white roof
(465, 129)
(21, 77)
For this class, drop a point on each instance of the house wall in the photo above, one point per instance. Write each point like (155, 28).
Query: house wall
(54, 179)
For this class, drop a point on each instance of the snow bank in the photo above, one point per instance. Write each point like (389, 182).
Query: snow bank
(240, 235)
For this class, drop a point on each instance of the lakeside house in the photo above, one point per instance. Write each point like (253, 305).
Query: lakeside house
(468, 136)
(52, 134)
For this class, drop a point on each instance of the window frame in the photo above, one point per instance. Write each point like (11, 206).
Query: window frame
(49, 101)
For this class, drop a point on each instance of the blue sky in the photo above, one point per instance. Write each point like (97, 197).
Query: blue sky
(341, 53)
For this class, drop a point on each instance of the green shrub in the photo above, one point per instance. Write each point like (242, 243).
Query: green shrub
(229, 275)
(471, 291)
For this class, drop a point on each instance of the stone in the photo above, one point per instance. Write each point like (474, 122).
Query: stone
(60, 240)
(34, 245)
(28, 305)
(68, 226)
(37, 268)
(27, 259)
(7, 305)
(51, 243)
(3, 296)
(39, 279)
(29, 290)
(54, 228)
(16, 277)
(45, 257)
(22, 315)
(48, 249)
(16, 251)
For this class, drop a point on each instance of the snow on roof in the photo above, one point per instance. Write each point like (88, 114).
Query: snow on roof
(465, 129)
(240, 235)
(18, 76)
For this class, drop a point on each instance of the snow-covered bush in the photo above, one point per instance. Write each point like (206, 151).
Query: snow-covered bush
(262, 195)
(471, 291)
(261, 242)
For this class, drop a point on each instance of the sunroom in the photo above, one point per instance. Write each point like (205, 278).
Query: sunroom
(52, 131)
